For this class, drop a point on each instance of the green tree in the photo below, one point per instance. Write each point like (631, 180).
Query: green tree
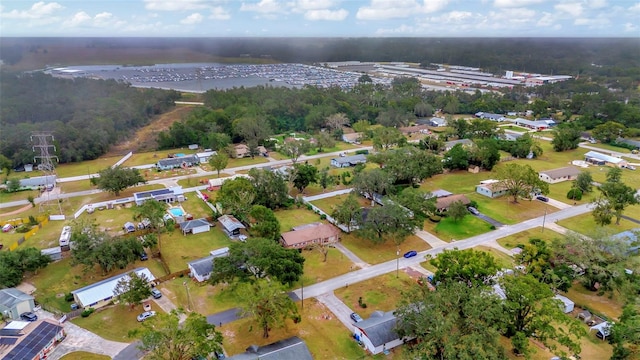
(132, 289)
(584, 181)
(521, 181)
(625, 333)
(6, 166)
(13, 185)
(154, 212)
(432, 143)
(115, 179)
(485, 154)
(268, 304)
(483, 129)
(615, 197)
(422, 204)
(388, 222)
(163, 337)
(14, 264)
(454, 322)
(236, 197)
(566, 137)
(324, 141)
(258, 258)
(408, 165)
(608, 132)
(270, 188)
(529, 308)
(264, 223)
(116, 253)
(524, 146)
(252, 130)
(372, 182)
(385, 138)
(537, 256)
(218, 141)
(295, 148)
(474, 268)
(457, 158)
(219, 161)
(305, 174)
(361, 126)
(457, 211)
(348, 212)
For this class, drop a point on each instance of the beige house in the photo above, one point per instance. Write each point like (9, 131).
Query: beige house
(559, 175)
(443, 203)
(307, 236)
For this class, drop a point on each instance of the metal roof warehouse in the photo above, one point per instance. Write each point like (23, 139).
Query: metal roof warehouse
(99, 294)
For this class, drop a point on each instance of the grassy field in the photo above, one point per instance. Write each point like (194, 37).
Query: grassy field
(328, 204)
(75, 186)
(316, 270)
(514, 128)
(177, 249)
(504, 261)
(611, 148)
(584, 224)
(82, 355)
(523, 237)
(113, 323)
(380, 293)
(6, 197)
(326, 337)
(205, 299)
(448, 229)
(508, 212)
(295, 217)
(600, 304)
(373, 253)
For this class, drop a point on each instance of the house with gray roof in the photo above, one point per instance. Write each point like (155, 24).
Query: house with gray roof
(534, 124)
(231, 225)
(292, 348)
(169, 195)
(14, 302)
(490, 116)
(348, 161)
(195, 226)
(377, 333)
(177, 162)
(450, 144)
(437, 122)
(597, 157)
(559, 175)
(631, 238)
(201, 269)
(38, 182)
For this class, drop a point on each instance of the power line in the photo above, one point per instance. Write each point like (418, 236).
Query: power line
(45, 161)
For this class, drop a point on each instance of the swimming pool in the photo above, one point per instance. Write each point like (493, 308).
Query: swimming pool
(176, 211)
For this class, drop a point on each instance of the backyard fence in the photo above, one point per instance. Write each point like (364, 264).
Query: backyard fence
(121, 161)
(42, 220)
(333, 221)
(181, 273)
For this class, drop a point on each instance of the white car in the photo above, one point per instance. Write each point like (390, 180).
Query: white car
(145, 315)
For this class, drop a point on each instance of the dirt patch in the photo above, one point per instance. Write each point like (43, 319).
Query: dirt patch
(18, 211)
(145, 139)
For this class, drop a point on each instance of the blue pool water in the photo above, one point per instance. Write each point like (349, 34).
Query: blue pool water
(180, 155)
(176, 211)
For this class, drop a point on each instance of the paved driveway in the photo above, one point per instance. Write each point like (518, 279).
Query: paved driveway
(491, 221)
(338, 308)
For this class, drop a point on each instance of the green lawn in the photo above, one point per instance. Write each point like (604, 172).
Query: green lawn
(196, 207)
(115, 322)
(205, 299)
(328, 204)
(584, 224)
(6, 197)
(373, 253)
(600, 304)
(246, 161)
(515, 128)
(75, 186)
(507, 212)
(381, 293)
(295, 217)
(504, 261)
(82, 355)
(86, 167)
(153, 156)
(316, 270)
(449, 230)
(177, 249)
(523, 237)
(611, 148)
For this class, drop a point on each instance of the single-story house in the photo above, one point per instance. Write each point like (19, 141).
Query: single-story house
(567, 304)
(38, 182)
(437, 122)
(231, 225)
(408, 130)
(169, 195)
(100, 294)
(491, 189)
(54, 253)
(490, 116)
(14, 302)
(631, 142)
(292, 348)
(129, 227)
(201, 269)
(631, 238)
(533, 124)
(450, 144)
(319, 234)
(242, 150)
(203, 157)
(377, 333)
(438, 193)
(594, 157)
(509, 136)
(559, 175)
(352, 138)
(215, 184)
(443, 203)
(195, 226)
(347, 161)
(177, 162)
(604, 328)
(33, 340)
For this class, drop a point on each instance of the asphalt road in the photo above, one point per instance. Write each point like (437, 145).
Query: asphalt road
(131, 352)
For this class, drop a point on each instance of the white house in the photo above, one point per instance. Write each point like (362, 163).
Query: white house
(597, 157)
(201, 269)
(377, 333)
(14, 302)
(559, 175)
(204, 157)
(100, 294)
(169, 195)
(196, 226)
(491, 189)
(347, 161)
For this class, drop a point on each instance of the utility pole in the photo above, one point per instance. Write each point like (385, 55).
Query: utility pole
(397, 262)
(186, 286)
(544, 218)
(45, 161)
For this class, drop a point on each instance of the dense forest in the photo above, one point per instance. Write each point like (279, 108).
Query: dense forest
(86, 116)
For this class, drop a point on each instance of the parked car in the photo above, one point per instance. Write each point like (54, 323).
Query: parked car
(145, 315)
(355, 317)
(143, 256)
(409, 254)
(156, 293)
(473, 210)
(28, 316)
(542, 198)
(219, 355)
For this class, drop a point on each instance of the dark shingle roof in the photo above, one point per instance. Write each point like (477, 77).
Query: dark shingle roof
(202, 266)
(177, 161)
(380, 327)
(292, 348)
(191, 224)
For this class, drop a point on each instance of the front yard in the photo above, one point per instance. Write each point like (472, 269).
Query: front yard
(522, 238)
(373, 253)
(449, 230)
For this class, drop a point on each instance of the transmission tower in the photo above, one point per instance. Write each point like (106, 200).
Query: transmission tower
(45, 163)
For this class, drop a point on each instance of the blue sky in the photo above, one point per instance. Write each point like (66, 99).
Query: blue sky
(322, 18)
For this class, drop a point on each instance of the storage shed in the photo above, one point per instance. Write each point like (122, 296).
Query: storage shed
(196, 226)
(14, 302)
(567, 304)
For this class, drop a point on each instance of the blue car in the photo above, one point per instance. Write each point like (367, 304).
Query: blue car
(409, 254)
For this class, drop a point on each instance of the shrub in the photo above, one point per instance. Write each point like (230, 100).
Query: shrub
(435, 218)
(364, 152)
(23, 229)
(87, 312)
(68, 297)
(574, 194)
(474, 204)
(309, 207)
(323, 216)
(32, 220)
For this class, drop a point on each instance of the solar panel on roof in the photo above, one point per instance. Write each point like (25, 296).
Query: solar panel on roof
(29, 347)
(8, 340)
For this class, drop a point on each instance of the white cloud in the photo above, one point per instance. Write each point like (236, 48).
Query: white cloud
(176, 5)
(597, 4)
(218, 13)
(305, 5)
(393, 9)
(36, 11)
(192, 19)
(515, 3)
(101, 20)
(574, 9)
(455, 17)
(325, 14)
(78, 19)
(546, 20)
(629, 27)
(635, 8)
(263, 7)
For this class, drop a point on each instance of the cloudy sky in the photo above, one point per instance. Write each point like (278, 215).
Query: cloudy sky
(331, 18)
